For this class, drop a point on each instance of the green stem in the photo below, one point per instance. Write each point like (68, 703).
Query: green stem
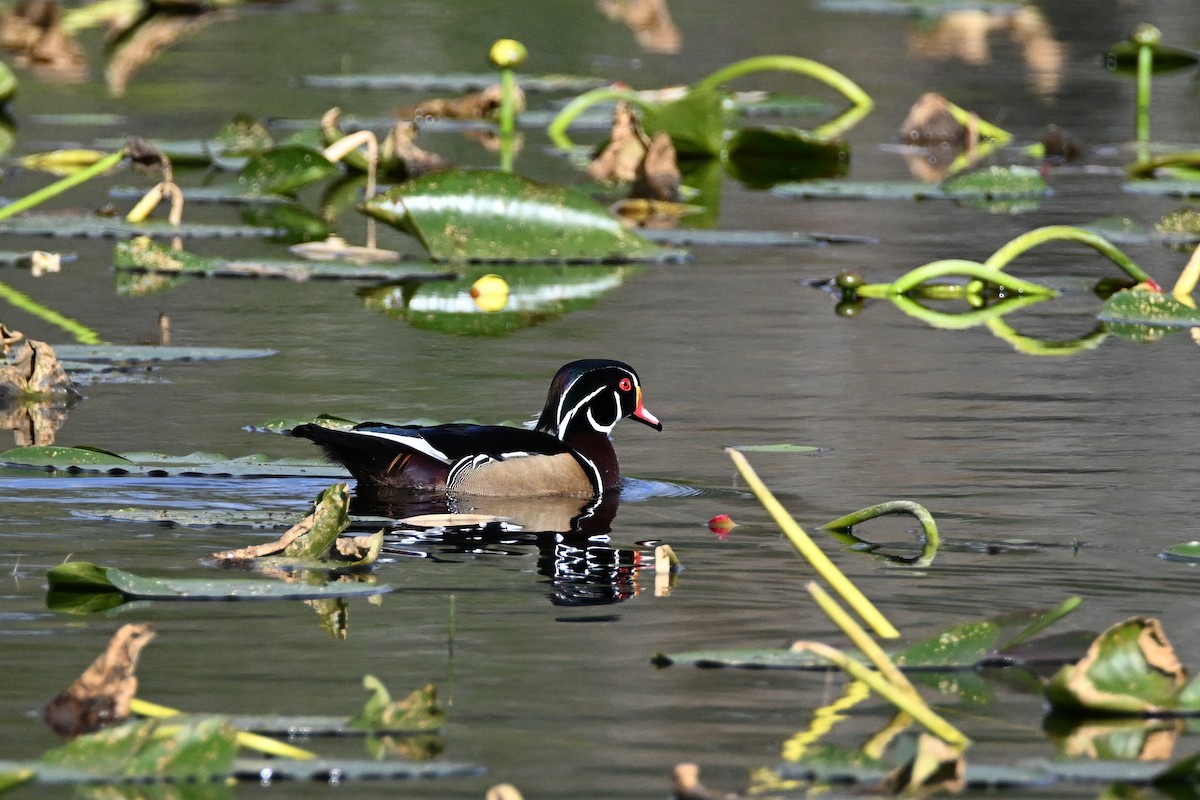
(251, 741)
(961, 267)
(966, 319)
(1144, 69)
(1040, 624)
(803, 66)
(913, 706)
(928, 526)
(1042, 347)
(82, 334)
(58, 187)
(557, 129)
(820, 562)
(508, 89)
(985, 129)
(1050, 233)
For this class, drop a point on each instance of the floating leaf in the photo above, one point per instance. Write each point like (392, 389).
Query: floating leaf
(285, 170)
(315, 541)
(201, 750)
(695, 123)
(143, 254)
(1131, 668)
(861, 190)
(74, 225)
(479, 215)
(75, 576)
(113, 355)
(419, 711)
(1166, 188)
(993, 641)
(769, 155)
(1145, 306)
(997, 183)
(1123, 58)
(83, 459)
(1188, 551)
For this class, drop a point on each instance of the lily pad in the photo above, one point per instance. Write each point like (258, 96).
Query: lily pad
(142, 254)
(1131, 668)
(115, 354)
(997, 183)
(81, 576)
(86, 460)
(68, 225)
(1003, 640)
(1142, 305)
(994, 183)
(1164, 188)
(1123, 58)
(1188, 551)
(769, 155)
(479, 215)
(285, 170)
(452, 82)
(776, 448)
(151, 750)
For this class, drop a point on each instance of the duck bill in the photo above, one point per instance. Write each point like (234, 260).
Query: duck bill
(641, 414)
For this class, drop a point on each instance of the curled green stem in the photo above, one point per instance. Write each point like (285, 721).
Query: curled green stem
(58, 187)
(813, 69)
(958, 267)
(1026, 241)
(813, 554)
(928, 526)
(557, 129)
(967, 319)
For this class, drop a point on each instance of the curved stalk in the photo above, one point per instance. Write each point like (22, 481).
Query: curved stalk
(983, 128)
(929, 530)
(861, 639)
(820, 562)
(823, 720)
(1050, 233)
(58, 187)
(804, 66)
(1041, 347)
(557, 129)
(967, 319)
(949, 267)
(1187, 280)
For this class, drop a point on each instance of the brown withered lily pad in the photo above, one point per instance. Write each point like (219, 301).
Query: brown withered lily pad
(483, 104)
(30, 367)
(102, 694)
(647, 164)
(929, 122)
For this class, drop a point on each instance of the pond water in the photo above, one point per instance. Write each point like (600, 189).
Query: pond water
(1050, 476)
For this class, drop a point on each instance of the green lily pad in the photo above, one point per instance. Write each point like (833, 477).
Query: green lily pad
(997, 183)
(1187, 551)
(116, 354)
(417, 712)
(230, 193)
(86, 460)
(1147, 307)
(143, 254)
(1123, 58)
(1131, 668)
(1164, 188)
(860, 190)
(770, 155)
(683, 237)
(81, 576)
(77, 225)
(250, 519)
(1002, 640)
(479, 215)
(285, 169)
(695, 123)
(152, 750)
(452, 82)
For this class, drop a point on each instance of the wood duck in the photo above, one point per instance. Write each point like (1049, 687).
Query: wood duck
(568, 453)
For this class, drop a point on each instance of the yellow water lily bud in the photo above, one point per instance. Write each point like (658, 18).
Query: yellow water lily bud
(490, 293)
(507, 53)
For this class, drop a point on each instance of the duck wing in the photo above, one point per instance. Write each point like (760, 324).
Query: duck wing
(426, 457)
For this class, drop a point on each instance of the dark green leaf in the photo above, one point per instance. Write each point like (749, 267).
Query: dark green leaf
(1144, 306)
(1188, 551)
(1123, 58)
(74, 225)
(63, 457)
(285, 170)
(997, 183)
(202, 750)
(767, 156)
(695, 123)
(479, 215)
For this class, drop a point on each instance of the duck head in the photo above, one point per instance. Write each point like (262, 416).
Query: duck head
(591, 396)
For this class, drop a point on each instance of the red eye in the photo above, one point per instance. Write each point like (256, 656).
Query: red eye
(625, 384)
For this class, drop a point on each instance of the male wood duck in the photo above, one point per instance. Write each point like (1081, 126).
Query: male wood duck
(568, 453)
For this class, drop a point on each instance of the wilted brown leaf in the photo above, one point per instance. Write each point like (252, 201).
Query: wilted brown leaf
(929, 122)
(936, 766)
(400, 145)
(483, 104)
(101, 695)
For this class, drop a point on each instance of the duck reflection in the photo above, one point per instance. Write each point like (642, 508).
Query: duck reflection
(569, 534)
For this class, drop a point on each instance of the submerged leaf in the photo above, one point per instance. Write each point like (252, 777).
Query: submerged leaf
(479, 215)
(89, 578)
